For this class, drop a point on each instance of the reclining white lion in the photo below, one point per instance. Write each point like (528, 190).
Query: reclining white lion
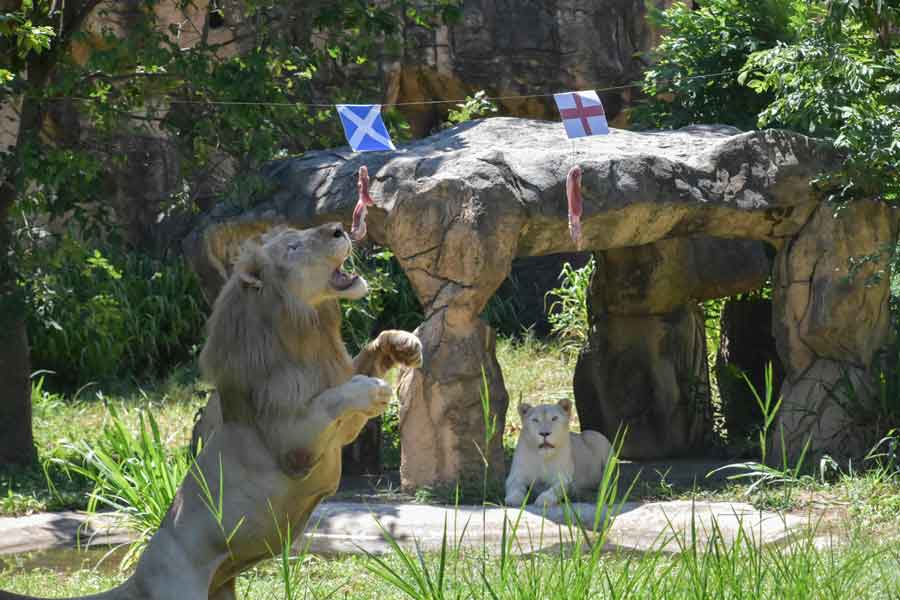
(289, 402)
(550, 456)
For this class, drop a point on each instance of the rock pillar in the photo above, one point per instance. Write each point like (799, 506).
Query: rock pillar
(830, 318)
(456, 254)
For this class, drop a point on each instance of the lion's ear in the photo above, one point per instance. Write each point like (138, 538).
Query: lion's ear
(249, 267)
(566, 405)
(249, 280)
(523, 409)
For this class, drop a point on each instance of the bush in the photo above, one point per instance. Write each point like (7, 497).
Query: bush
(134, 473)
(390, 304)
(716, 38)
(98, 312)
(840, 79)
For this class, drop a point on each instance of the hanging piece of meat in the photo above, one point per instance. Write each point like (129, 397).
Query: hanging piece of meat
(358, 231)
(576, 204)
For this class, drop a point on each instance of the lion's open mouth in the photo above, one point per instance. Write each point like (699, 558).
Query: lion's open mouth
(341, 280)
(546, 445)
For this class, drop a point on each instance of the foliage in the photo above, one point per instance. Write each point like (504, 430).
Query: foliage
(841, 79)
(827, 68)
(762, 473)
(34, 488)
(134, 473)
(694, 72)
(568, 313)
(24, 36)
(66, 420)
(97, 311)
(390, 304)
(855, 566)
(472, 107)
(390, 437)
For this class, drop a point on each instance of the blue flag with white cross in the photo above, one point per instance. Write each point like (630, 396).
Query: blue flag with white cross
(364, 127)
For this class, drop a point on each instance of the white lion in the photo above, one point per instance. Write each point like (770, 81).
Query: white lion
(549, 454)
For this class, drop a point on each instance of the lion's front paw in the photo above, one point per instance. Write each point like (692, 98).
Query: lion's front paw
(375, 394)
(402, 347)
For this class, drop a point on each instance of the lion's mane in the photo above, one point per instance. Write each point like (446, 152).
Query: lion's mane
(261, 329)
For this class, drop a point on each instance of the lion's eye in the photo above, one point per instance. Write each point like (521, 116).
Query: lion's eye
(534, 421)
(554, 418)
(293, 246)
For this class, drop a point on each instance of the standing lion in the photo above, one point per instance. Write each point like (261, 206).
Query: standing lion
(290, 398)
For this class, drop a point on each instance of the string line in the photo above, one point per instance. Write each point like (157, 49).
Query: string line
(172, 100)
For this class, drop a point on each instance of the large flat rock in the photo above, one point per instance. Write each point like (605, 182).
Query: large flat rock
(666, 526)
(351, 527)
(505, 178)
(66, 529)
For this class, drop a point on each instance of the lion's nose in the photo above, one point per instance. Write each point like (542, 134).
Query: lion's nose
(543, 434)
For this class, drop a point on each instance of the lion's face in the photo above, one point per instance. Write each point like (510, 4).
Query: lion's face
(307, 263)
(312, 260)
(546, 427)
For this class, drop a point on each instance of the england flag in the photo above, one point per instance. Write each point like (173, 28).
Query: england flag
(582, 113)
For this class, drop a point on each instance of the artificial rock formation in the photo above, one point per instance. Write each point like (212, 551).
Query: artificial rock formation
(830, 318)
(457, 207)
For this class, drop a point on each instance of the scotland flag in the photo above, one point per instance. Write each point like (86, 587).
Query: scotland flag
(364, 127)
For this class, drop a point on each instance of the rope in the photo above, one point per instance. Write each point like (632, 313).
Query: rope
(171, 100)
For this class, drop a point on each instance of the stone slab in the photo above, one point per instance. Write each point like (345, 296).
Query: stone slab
(355, 528)
(67, 529)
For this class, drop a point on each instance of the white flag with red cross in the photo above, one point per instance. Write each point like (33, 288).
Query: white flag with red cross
(582, 113)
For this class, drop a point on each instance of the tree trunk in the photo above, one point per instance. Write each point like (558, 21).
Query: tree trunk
(16, 441)
(16, 438)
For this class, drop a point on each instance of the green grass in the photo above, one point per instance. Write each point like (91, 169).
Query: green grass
(534, 371)
(863, 568)
(863, 505)
(60, 422)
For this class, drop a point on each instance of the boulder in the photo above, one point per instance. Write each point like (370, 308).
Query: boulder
(456, 209)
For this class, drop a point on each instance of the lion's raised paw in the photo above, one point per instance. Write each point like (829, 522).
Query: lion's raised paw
(403, 347)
